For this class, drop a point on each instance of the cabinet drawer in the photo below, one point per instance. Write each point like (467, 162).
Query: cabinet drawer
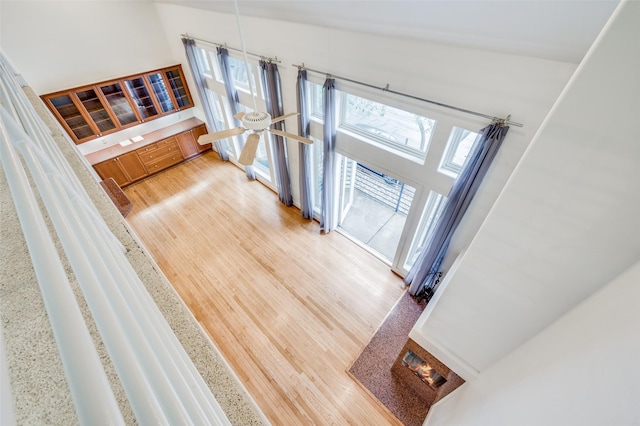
(145, 149)
(165, 142)
(162, 163)
(160, 152)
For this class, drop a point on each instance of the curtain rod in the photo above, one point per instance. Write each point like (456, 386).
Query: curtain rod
(386, 89)
(266, 58)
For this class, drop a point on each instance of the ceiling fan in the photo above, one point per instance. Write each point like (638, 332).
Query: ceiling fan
(255, 122)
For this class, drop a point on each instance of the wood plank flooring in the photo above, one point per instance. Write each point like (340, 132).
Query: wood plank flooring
(289, 308)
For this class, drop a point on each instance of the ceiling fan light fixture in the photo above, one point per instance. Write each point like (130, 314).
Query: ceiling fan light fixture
(256, 120)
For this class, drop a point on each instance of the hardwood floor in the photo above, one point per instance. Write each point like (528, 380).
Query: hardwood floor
(289, 308)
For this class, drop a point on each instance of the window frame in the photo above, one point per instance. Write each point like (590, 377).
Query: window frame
(374, 139)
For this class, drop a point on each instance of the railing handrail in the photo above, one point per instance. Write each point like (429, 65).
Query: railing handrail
(158, 377)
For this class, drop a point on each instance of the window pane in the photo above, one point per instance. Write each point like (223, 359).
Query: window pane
(317, 170)
(214, 101)
(202, 59)
(316, 100)
(432, 210)
(261, 162)
(458, 147)
(386, 124)
(379, 210)
(239, 72)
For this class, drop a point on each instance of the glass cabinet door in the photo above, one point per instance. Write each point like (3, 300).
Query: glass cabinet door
(96, 110)
(140, 95)
(72, 116)
(178, 88)
(119, 104)
(162, 94)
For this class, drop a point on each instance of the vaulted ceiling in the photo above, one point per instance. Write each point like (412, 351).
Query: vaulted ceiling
(559, 30)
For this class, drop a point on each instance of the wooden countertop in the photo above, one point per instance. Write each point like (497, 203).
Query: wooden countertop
(149, 138)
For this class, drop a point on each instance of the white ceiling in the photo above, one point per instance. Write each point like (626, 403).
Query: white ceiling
(553, 29)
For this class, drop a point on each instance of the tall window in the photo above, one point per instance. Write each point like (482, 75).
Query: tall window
(393, 210)
(385, 149)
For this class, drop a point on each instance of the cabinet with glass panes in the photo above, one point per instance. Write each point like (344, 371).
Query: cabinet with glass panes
(71, 118)
(101, 108)
(178, 87)
(169, 87)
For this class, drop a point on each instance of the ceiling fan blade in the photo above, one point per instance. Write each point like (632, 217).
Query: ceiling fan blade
(239, 115)
(249, 150)
(222, 134)
(282, 117)
(291, 136)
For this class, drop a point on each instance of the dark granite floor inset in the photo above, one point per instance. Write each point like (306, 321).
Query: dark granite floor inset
(373, 367)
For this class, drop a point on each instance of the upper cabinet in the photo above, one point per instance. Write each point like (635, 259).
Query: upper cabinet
(98, 109)
(141, 97)
(120, 104)
(70, 117)
(178, 87)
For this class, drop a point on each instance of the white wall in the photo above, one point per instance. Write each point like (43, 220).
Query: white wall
(489, 82)
(583, 370)
(565, 224)
(61, 44)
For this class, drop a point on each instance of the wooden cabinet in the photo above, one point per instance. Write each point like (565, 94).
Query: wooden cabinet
(124, 169)
(141, 98)
(101, 108)
(160, 155)
(179, 88)
(196, 133)
(188, 142)
(121, 105)
(169, 89)
(97, 110)
(70, 116)
(164, 148)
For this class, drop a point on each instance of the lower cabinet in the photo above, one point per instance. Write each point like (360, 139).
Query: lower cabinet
(124, 169)
(160, 155)
(188, 141)
(154, 157)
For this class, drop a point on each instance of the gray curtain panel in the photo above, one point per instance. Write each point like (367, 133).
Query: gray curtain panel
(273, 99)
(423, 272)
(232, 95)
(201, 84)
(329, 215)
(304, 153)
